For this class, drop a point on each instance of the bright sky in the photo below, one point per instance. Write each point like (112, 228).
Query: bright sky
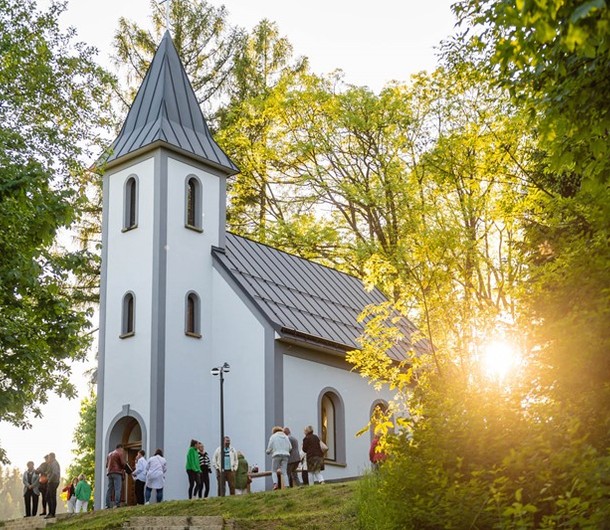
(372, 42)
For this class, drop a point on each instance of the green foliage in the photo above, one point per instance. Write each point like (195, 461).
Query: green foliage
(205, 41)
(531, 452)
(253, 133)
(554, 58)
(84, 439)
(51, 93)
(475, 460)
(11, 490)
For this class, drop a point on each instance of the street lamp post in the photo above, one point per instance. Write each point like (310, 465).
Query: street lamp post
(220, 371)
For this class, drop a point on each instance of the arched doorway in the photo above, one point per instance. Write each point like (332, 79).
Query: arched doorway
(127, 431)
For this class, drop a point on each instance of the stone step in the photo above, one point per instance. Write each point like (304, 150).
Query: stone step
(174, 527)
(32, 523)
(167, 522)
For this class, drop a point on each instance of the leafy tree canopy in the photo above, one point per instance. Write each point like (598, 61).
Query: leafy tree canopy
(205, 41)
(51, 92)
(84, 440)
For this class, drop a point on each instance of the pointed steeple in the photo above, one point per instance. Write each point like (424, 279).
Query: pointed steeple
(165, 112)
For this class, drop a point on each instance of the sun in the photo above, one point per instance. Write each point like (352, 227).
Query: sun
(499, 359)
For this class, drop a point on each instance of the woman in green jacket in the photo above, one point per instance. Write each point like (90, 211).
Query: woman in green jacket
(242, 477)
(83, 494)
(193, 469)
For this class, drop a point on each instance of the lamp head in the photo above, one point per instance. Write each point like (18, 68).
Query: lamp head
(215, 371)
(226, 368)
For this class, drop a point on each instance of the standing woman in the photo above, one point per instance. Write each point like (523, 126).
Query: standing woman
(43, 480)
(139, 475)
(193, 468)
(70, 491)
(279, 449)
(206, 469)
(156, 468)
(242, 475)
(30, 490)
(314, 454)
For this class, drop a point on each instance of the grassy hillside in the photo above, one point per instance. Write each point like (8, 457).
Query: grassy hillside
(328, 507)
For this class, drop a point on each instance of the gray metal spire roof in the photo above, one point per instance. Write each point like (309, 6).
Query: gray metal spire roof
(165, 112)
(302, 299)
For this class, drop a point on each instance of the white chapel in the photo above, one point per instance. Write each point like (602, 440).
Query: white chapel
(180, 295)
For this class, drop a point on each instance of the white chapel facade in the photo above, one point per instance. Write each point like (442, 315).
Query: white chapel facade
(180, 295)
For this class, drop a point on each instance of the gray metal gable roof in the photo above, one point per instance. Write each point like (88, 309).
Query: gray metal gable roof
(165, 110)
(301, 298)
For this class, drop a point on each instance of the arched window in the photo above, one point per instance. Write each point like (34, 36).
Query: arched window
(332, 425)
(128, 327)
(130, 207)
(378, 410)
(193, 315)
(194, 212)
(328, 431)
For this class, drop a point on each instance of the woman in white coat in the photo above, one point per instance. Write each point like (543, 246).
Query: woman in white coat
(156, 468)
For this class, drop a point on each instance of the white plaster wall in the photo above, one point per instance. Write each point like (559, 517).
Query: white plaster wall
(303, 383)
(239, 339)
(228, 334)
(129, 268)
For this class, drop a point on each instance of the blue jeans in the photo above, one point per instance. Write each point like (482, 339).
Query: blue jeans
(115, 481)
(149, 492)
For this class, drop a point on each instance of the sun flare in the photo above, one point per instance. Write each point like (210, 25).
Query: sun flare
(499, 359)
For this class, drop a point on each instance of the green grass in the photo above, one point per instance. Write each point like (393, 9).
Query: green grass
(328, 507)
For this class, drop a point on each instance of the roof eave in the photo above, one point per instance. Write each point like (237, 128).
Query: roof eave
(110, 164)
(302, 338)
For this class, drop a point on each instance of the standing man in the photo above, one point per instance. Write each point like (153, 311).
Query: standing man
(230, 463)
(54, 476)
(293, 460)
(30, 490)
(115, 471)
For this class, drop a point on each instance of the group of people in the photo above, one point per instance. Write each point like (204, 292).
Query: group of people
(198, 470)
(286, 457)
(149, 474)
(78, 494)
(41, 483)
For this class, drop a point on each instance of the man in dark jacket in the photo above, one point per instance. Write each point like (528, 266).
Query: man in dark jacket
(115, 470)
(53, 476)
(293, 460)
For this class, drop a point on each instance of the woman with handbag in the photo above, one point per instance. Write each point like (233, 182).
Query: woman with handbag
(314, 454)
(43, 481)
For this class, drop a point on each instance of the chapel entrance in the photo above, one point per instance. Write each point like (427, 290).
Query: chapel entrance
(127, 431)
(132, 443)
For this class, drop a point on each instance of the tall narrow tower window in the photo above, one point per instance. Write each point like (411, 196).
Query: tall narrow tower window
(192, 315)
(128, 321)
(130, 219)
(194, 212)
